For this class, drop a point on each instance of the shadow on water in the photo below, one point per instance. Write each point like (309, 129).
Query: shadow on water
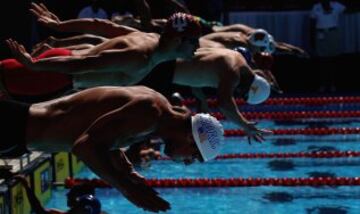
(317, 174)
(288, 165)
(281, 165)
(313, 148)
(327, 210)
(278, 197)
(313, 124)
(284, 142)
(319, 193)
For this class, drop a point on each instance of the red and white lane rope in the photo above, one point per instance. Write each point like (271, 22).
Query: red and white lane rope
(300, 131)
(294, 115)
(290, 101)
(230, 182)
(318, 154)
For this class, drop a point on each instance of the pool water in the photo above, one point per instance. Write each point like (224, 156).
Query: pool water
(254, 200)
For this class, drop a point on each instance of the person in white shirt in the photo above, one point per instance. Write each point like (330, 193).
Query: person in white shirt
(93, 11)
(326, 15)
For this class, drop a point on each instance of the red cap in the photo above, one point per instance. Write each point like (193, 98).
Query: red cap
(182, 24)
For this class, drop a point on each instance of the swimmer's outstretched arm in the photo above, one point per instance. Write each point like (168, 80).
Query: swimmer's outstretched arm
(282, 47)
(101, 27)
(234, 28)
(73, 64)
(93, 147)
(71, 41)
(228, 107)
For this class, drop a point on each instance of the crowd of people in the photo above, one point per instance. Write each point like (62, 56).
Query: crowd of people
(106, 94)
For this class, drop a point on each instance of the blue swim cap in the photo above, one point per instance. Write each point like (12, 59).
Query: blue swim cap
(245, 53)
(88, 204)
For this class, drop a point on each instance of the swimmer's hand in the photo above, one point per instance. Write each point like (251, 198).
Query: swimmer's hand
(290, 49)
(255, 133)
(135, 189)
(133, 186)
(19, 52)
(44, 16)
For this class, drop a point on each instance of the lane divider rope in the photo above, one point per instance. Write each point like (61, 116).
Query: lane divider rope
(301, 131)
(294, 115)
(288, 101)
(317, 154)
(229, 182)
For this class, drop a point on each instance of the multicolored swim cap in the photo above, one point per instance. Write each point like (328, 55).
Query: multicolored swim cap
(261, 39)
(208, 134)
(182, 24)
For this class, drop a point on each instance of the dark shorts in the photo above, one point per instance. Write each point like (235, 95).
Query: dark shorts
(13, 121)
(161, 78)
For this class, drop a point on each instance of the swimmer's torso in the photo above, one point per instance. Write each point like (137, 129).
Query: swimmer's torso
(66, 118)
(134, 49)
(207, 67)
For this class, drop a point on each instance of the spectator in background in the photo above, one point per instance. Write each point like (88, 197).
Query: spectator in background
(325, 15)
(93, 11)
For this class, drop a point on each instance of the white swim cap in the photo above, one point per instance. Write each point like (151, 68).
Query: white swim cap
(208, 134)
(259, 90)
(262, 39)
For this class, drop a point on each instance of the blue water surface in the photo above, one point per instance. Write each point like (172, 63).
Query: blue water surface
(254, 200)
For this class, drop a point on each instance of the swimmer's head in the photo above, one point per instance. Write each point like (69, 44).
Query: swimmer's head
(86, 204)
(78, 191)
(208, 134)
(259, 91)
(176, 99)
(202, 140)
(182, 25)
(181, 34)
(252, 88)
(261, 41)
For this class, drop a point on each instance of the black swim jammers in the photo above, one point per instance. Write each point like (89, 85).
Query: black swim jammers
(161, 78)
(13, 121)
